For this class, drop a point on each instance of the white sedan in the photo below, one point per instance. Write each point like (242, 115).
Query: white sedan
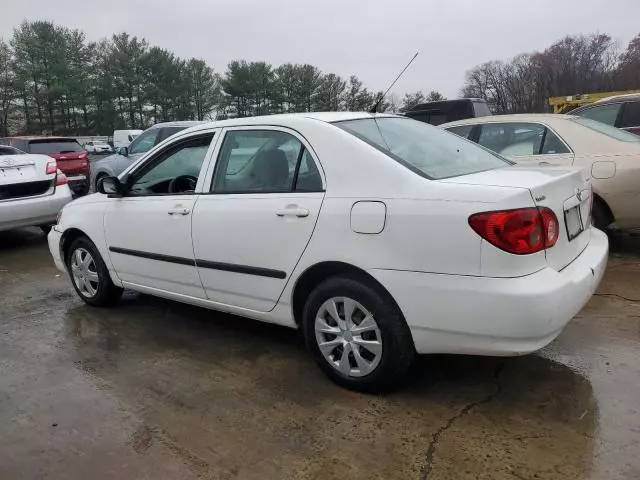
(609, 155)
(97, 147)
(380, 237)
(32, 190)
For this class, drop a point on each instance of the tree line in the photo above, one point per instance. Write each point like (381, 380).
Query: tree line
(573, 65)
(54, 81)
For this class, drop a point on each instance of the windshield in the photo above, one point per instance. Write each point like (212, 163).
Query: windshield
(54, 146)
(427, 150)
(607, 130)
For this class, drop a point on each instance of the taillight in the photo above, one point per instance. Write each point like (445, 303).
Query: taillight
(521, 231)
(52, 167)
(61, 179)
(83, 155)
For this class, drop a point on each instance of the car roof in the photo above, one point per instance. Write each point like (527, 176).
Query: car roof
(283, 119)
(177, 123)
(40, 137)
(516, 117)
(616, 98)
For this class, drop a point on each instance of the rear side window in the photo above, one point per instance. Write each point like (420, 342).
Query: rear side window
(604, 113)
(462, 131)
(631, 115)
(481, 109)
(166, 132)
(46, 146)
(520, 139)
(264, 161)
(428, 151)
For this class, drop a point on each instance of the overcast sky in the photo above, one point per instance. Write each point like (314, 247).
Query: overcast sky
(372, 39)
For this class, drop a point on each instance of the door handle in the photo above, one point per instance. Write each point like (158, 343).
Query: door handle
(179, 211)
(293, 211)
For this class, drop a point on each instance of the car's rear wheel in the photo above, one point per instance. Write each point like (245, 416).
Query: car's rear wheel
(357, 335)
(89, 274)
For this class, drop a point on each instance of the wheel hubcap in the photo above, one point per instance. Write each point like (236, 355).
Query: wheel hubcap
(348, 337)
(84, 273)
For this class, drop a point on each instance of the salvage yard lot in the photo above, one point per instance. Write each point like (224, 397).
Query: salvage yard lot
(156, 389)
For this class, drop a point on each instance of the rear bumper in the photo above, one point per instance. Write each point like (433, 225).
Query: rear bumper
(33, 211)
(495, 316)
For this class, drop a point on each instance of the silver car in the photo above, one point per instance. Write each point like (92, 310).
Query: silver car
(32, 190)
(115, 164)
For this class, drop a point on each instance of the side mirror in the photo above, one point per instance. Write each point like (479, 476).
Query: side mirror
(110, 186)
(124, 151)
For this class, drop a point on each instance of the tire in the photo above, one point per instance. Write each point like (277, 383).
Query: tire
(100, 176)
(100, 292)
(82, 190)
(397, 352)
(599, 215)
(45, 229)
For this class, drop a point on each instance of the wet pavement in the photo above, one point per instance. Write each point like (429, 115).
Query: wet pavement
(155, 389)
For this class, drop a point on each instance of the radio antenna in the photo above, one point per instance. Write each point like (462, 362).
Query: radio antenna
(377, 104)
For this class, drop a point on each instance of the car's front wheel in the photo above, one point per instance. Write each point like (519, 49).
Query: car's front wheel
(357, 334)
(89, 274)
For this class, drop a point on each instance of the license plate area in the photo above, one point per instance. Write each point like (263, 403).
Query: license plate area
(573, 222)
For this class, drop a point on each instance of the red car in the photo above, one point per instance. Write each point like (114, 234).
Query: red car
(71, 158)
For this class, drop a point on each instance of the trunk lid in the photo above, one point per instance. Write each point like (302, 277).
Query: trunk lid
(565, 190)
(24, 176)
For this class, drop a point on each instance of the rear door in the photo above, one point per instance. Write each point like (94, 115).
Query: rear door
(525, 142)
(251, 229)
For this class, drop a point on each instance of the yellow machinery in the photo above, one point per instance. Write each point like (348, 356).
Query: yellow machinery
(568, 103)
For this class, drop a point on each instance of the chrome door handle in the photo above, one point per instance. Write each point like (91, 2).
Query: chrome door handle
(297, 212)
(179, 211)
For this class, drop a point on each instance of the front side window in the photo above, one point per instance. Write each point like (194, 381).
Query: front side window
(463, 131)
(175, 170)
(604, 113)
(144, 142)
(424, 149)
(264, 161)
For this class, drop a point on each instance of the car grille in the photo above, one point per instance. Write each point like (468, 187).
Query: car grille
(22, 190)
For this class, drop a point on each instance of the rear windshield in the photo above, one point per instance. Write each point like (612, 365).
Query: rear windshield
(6, 150)
(424, 149)
(54, 146)
(608, 130)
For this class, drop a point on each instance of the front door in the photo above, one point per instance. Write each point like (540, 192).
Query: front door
(251, 229)
(148, 231)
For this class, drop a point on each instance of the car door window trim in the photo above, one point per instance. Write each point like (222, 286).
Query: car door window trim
(225, 267)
